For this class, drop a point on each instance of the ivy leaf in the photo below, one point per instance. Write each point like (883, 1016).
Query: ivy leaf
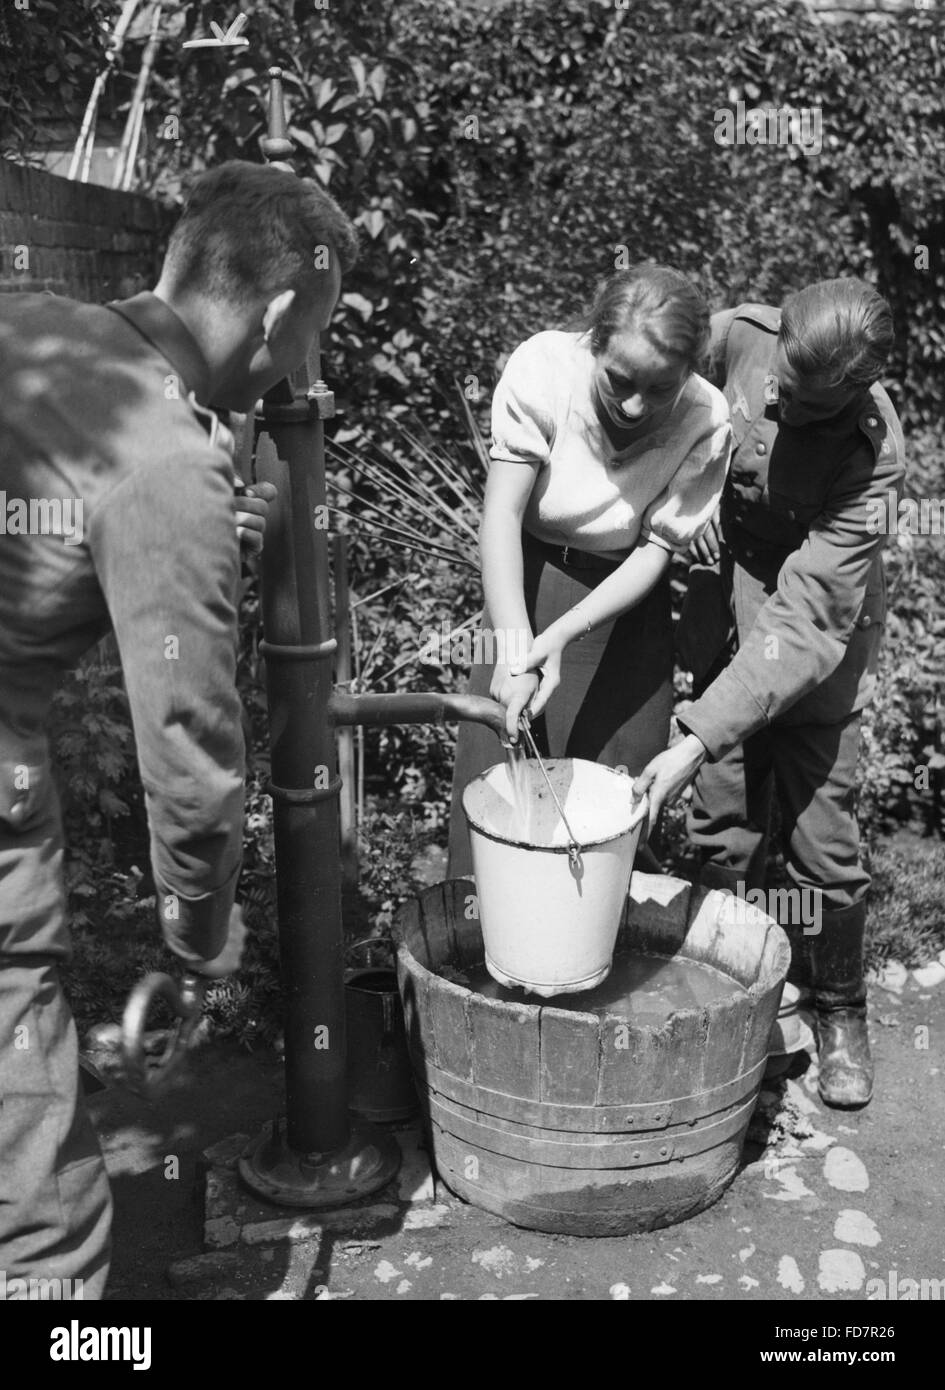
(305, 138)
(378, 81)
(359, 70)
(373, 221)
(326, 90)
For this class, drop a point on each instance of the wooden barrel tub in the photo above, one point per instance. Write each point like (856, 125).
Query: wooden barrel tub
(582, 1123)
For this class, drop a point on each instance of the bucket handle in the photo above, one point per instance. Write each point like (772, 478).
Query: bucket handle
(379, 942)
(574, 849)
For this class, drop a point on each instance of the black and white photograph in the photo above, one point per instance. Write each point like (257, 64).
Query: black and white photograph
(472, 695)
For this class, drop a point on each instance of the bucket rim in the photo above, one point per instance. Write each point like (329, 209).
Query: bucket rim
(637, 815)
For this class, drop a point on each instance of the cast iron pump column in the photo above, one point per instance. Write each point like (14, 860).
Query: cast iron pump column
(317, 1157)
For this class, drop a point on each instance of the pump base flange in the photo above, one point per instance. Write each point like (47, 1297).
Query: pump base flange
(369, 1161)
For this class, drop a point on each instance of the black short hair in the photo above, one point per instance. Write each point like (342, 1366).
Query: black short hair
(251, 230)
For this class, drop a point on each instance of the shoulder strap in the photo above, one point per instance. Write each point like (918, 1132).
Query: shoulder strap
(718, 350)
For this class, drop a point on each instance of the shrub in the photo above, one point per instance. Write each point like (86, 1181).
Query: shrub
(49, 54)
(901, 771)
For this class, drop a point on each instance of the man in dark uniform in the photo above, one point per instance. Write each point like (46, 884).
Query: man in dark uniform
(782, 628)
(117, 487)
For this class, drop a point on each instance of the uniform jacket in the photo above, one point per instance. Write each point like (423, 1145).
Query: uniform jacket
(100, 406)
(801, 580)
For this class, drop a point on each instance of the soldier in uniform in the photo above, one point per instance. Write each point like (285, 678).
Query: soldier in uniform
(117, 486)
(782, 628)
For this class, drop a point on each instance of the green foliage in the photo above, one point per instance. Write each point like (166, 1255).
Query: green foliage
(495, 156)
(358, 126)
(901, 770)
(593, 128)
(49, 55)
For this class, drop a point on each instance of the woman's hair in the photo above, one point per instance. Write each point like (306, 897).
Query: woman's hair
(837, 332)
(659, 302)
(249, 230)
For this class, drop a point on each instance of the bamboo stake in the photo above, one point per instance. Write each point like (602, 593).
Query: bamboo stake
(124, 169)
(86, 139)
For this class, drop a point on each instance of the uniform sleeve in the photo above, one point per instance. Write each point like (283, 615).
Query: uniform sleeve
(721, 326)
(687, 504)
(801, 634)
(165, 551)
(522, 419)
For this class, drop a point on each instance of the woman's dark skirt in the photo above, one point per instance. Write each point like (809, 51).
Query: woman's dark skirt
(615, 699)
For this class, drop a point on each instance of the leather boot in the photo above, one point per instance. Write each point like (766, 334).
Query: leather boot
(836, 962)
(800, 969)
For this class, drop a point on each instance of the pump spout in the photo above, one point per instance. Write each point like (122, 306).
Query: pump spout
(425, 707)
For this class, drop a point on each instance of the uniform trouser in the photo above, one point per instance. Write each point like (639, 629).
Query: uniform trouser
(615, 699)
(811, 768)
(55, 1205)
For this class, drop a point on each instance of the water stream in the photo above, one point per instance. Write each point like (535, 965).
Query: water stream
(516, 763)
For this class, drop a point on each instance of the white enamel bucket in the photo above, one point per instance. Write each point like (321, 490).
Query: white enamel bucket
(550, 924)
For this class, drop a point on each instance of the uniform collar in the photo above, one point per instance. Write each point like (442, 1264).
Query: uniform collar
(157, 322)
(846, 423)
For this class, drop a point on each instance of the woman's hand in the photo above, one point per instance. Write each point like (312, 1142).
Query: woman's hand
(668, 774)
(544, 655)
(252, 505)
(515, 693)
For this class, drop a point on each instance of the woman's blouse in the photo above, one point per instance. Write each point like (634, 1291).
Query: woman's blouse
(590, 493)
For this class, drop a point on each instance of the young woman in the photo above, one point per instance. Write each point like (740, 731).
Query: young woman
(609, 453)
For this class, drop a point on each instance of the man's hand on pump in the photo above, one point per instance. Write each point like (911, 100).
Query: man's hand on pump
(252, 507)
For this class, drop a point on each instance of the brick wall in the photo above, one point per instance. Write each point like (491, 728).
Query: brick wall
(77, 239)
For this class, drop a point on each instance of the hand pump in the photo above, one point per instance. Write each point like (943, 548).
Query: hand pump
(316, 1157)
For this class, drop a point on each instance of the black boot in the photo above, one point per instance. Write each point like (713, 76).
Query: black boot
(836, 964)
